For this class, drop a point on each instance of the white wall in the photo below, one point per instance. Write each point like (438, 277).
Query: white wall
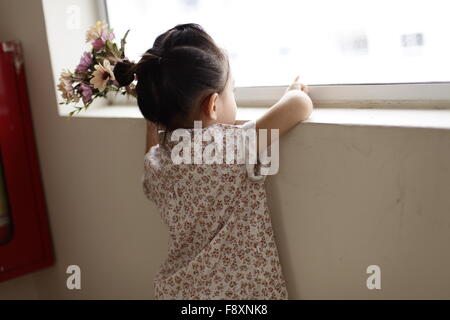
(346, 197)
(91, 169)
(349, 197)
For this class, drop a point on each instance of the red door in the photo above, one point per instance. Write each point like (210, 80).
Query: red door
(25, 243)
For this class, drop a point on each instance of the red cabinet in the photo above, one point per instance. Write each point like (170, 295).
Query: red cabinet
(25, 243)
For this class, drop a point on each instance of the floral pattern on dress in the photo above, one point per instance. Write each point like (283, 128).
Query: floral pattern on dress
(221, 242)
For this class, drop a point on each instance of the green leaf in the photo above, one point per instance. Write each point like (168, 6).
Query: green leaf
(122, 44)
(115, 48)
(111, 49)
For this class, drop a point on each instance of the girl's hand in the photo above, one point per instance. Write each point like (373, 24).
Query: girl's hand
(293, 107)
(295, 85)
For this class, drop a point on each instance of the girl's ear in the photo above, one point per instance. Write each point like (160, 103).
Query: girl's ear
(210, 107)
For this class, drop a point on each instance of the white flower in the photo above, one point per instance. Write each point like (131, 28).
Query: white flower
(102, 74)
(95, 32)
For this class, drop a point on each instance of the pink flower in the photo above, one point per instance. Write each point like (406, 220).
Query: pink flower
(107, 35)
(98, 44)
(86, 92)
(85, 62)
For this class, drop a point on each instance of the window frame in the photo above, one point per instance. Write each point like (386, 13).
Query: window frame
(411, 95)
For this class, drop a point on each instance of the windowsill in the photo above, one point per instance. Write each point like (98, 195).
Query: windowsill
(414, 118)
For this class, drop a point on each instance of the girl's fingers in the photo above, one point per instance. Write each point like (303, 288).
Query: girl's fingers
(294, 83)
(305, 88)
(297, 85)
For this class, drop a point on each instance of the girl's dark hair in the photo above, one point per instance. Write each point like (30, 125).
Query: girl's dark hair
(183, 67)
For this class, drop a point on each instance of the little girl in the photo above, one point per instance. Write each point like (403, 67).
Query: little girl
(221, 243)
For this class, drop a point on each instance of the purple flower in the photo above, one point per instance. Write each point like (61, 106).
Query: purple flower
(107, 36)
(98, 44)
(86, 92)
(85, 62)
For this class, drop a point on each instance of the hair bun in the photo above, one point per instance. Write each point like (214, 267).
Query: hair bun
(124, 72)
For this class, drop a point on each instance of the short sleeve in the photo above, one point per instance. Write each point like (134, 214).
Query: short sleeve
(253, 169)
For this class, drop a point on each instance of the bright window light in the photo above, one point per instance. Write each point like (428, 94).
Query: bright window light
(324, 41)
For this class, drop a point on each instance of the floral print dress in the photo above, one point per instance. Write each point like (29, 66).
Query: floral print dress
(221, 242)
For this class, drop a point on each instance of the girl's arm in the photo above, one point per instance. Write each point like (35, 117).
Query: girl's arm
(293, 107)
(152, 135)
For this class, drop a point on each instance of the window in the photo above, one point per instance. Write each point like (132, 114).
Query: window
(343, 49)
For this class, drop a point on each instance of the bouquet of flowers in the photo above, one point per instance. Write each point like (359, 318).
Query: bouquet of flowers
(94, 77)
